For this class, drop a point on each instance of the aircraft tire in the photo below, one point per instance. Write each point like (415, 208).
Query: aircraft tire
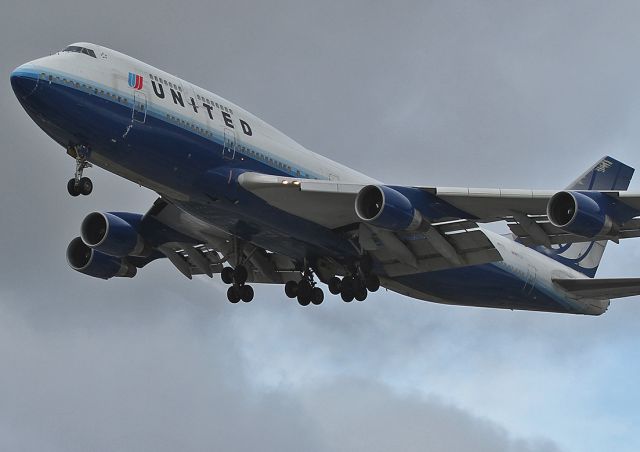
(304, 289)
(373, 283)
(71, 188)
(240, 274)
(317, 296)
(335, 285)
(233, 294)
(246, 293)
(304, 299)
(86, 186)
(291, 289)
(227, 275)
(347, 296)
(360, 294)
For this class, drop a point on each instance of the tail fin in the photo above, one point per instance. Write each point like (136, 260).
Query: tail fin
(607, 174)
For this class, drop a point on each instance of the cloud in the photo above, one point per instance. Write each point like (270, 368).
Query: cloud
(166, 384)
(501, 94)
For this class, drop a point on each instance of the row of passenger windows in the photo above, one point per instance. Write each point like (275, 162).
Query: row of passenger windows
(165, 82)
(84, 86)
(179, 88)
(189, 125)
(220, 106)
(239, 147)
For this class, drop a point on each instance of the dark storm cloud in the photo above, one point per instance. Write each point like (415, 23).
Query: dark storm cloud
(483, 94)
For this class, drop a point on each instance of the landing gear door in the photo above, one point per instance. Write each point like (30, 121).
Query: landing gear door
(530, 282)
(229, 145)
(139, 113)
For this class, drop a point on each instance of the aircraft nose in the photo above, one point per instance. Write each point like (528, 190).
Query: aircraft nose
(23, 83)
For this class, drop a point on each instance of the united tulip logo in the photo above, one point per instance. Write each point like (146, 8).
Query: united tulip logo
(135, 81)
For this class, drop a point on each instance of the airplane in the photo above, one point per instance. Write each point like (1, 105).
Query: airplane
(241, 199)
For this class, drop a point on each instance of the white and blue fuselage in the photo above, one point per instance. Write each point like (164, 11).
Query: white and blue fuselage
(172, 137)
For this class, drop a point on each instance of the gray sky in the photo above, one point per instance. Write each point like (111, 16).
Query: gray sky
(512, 94)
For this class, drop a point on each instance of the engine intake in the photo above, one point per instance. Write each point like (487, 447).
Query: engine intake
(94, 263)
(386, 208)
(112, 235)
(581, 214)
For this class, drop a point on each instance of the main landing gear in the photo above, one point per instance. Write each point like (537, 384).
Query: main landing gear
(305, 290)
(239, 290)
(356, 285)
(80, 185)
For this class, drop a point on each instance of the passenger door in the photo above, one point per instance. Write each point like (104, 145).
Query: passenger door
(530, 282)
(229, 146)
(139, 113)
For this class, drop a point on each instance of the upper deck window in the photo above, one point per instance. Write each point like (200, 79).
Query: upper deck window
(78, 49)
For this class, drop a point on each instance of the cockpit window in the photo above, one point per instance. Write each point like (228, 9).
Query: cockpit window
(78, 49)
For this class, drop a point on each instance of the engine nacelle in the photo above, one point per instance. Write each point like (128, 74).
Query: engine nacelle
(387, 208)
(581, 214)
(94, 263)
(113, 235)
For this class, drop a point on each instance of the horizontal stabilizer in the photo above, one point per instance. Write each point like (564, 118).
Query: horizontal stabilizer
(602, 289)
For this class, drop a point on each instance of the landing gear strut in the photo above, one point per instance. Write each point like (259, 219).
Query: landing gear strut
(239, 290)
(305, 290)
(80, 185)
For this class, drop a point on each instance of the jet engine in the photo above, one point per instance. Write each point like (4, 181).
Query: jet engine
(581, 214)
(386, 208)
(94, 263)
(113, 235)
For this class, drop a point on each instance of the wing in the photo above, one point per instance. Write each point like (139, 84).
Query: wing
(334, 204)
(444, 244)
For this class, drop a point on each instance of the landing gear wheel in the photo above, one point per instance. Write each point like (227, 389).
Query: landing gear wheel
(347, 296)
(348, 284)
(72, 189)
(335, 285)
(227, 275)
(304, 289)
(291, 289)
(304, 299)
(85, 187)
(317, 296)
(240, 275)
(246, 293)
(361, 294)
(373, 283)
(233, 294)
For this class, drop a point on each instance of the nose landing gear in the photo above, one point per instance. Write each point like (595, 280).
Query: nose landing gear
(80, 185)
